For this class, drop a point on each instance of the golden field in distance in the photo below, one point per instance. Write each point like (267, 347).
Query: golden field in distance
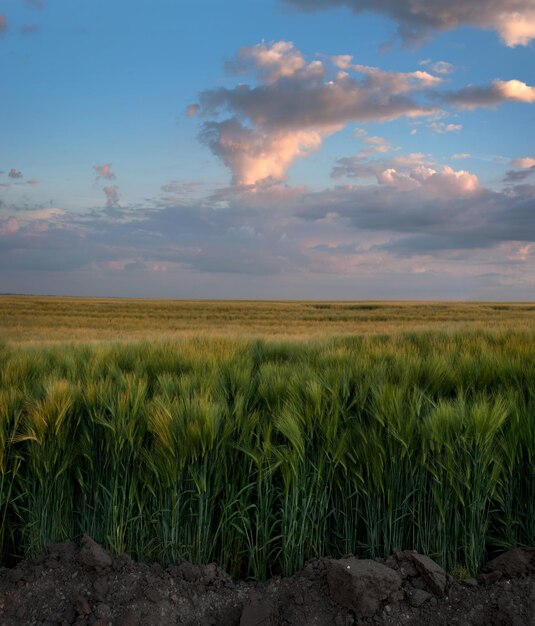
(29, 319)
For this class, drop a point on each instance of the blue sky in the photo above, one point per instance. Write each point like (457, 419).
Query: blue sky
(345, 149)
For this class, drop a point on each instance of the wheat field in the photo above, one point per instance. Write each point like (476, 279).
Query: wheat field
(258, 435)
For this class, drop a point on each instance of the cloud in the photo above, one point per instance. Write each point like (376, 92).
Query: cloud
(445, 226)
(439, 67)
(513, 20)
(498, 91)
(112, 196)
(409, 173)
(270, 61)
(376, 145)
(290, 105)
(14, 173)
(395, 82)
(192, 110)
(523, 162)
(516, 176)
(461, 155)
(182, 188)
(32, 181)
(440, 128)
(432, 216)
(9, 226)
(104, 171)
(254, 155)
(3, 23)
(371, 145)
(296, 104)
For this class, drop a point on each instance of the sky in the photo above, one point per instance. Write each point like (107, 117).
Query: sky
(268, 149)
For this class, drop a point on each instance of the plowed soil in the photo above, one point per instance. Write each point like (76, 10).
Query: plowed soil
(86, 586)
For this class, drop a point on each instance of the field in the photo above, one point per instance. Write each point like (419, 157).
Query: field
(258, 435)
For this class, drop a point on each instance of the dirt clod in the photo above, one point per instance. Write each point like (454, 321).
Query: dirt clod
(361, 584)
(94, 556)
(432, 573)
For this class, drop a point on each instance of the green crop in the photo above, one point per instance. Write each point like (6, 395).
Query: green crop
(260, 454)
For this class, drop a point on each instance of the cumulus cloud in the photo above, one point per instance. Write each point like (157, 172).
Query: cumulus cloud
(14, 173)
(498, 91)
(291, 105)
(254, 155)
(296, 104)
(410, 172)
(513, 20)
(104, 171)
(270, 61)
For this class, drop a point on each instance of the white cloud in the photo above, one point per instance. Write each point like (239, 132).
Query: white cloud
(442, 67)
(441, 128)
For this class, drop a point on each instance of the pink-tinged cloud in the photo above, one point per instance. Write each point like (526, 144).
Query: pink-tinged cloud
(3, 23)
(410, 172)
(447, 183)
(523, 162)
(192, 110)
(524, 168)
(296, 105)
(253, 155)
(259, 129)
(104, 171)
(513, 20)
(14, 173)
(32, 181)
(444, 184)
(270, 60)
(9, 226)
(112, 196)
(498, 91)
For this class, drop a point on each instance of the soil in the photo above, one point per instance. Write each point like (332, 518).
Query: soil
(86, 586)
